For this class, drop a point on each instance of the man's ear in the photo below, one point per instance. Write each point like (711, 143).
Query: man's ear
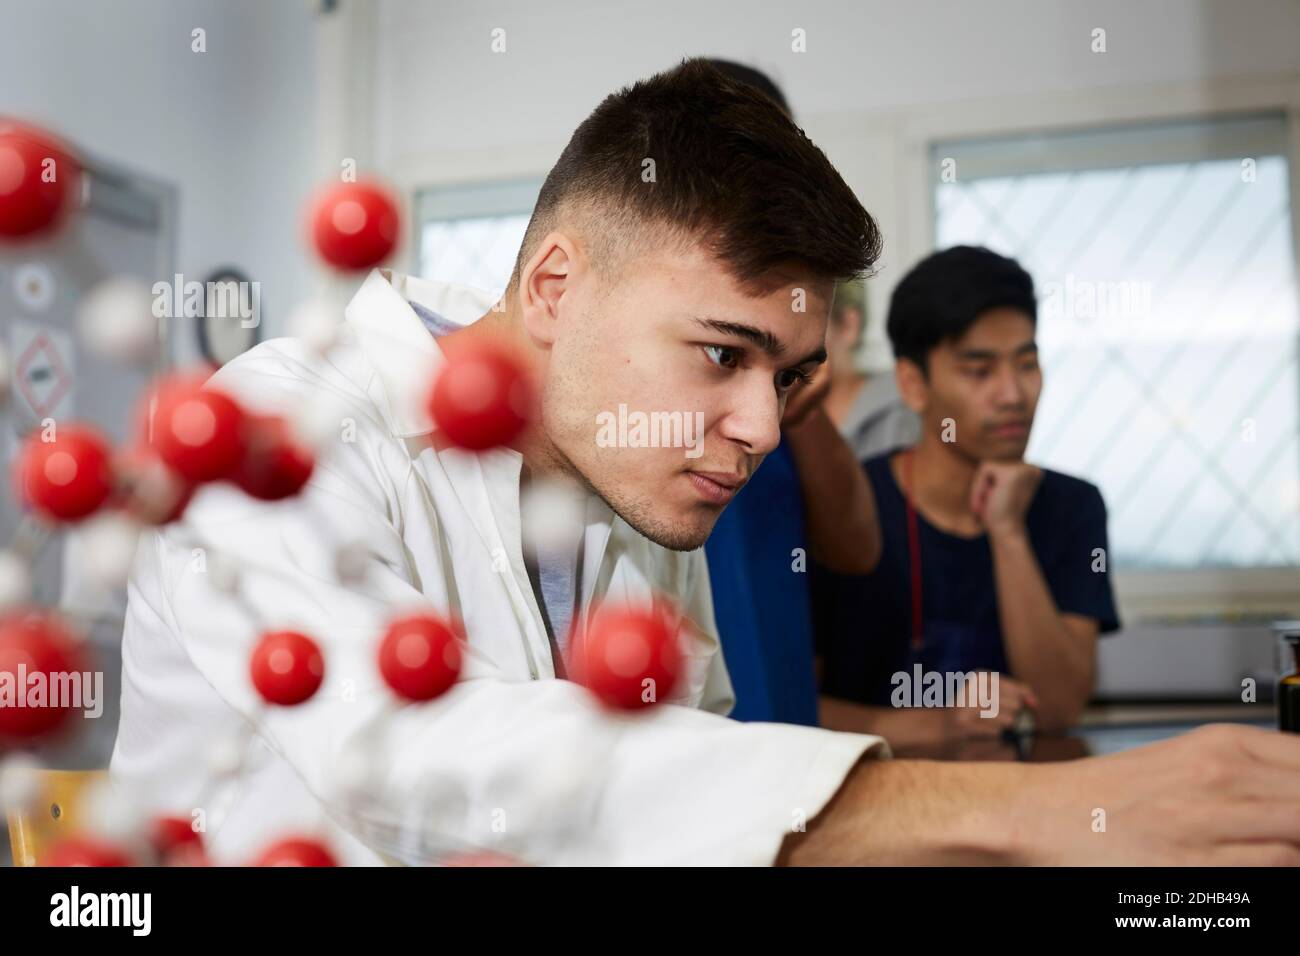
(913, 387)
(542, 284)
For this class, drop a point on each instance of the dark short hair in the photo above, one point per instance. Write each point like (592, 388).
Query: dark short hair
(732, 171)
(756, 78)
(943, 295)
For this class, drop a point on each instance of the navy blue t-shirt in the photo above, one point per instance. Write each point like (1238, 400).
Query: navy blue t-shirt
(760, 600)
(863, 624)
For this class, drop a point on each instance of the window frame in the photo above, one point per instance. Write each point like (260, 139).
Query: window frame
(1225, 594)
(449, 202)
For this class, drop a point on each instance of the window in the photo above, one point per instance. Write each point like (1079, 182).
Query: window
(471, 234)
(1167, 324)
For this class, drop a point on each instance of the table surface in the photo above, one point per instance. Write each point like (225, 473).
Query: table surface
(1105, 728)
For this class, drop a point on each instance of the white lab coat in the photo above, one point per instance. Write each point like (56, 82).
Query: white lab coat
(511, 759)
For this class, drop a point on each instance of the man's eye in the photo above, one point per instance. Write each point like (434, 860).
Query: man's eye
(792, 377)
(977, 371)
(727, 357)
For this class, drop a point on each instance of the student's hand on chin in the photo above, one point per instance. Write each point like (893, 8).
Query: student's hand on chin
(965, 723)
(1001, 493)
(804, 399)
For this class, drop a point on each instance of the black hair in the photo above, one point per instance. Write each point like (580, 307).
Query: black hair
(943, 295)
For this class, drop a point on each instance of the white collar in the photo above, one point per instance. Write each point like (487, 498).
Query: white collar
(405, 355)
(401, 349)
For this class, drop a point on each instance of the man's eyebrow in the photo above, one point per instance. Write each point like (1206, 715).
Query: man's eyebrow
(765, 340)
(984, 355)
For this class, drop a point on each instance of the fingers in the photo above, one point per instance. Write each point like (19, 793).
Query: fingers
(1013, 694)
(1276, 819)
(1272, 746)
(980, 488)
(1255, 854)
(1261, 782)
(972, 723)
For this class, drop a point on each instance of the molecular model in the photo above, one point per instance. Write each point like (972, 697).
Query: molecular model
(187, 434)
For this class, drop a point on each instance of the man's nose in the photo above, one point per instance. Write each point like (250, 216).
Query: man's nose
(753, 419)
(1011, 390)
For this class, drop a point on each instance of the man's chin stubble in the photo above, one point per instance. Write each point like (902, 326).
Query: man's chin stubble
(674, 537)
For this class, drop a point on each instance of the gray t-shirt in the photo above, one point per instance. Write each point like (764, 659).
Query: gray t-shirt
(879, 421)
(555, 574)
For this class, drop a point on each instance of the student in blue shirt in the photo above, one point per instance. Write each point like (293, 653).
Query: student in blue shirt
(808, 499)
(988, 563)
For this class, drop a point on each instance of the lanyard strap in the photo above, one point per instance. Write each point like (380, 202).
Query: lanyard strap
(913, 549)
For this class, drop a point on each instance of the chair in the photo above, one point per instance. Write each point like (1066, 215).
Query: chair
(53, 815)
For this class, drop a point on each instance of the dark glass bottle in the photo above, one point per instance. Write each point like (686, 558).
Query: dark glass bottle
(1288, 685)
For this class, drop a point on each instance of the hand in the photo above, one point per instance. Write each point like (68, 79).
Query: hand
(1221, 795)
(968, 722)
(1001, 493)
(803, 399)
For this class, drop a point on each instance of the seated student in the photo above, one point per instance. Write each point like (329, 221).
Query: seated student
(996, 564)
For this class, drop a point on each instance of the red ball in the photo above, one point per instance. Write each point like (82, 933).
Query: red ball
(40, 181)
(419, 657)
(287, 667)
(174, 839)
(37, 642)
(68, 478)
(296, 851)
(85, 851)
(274, 465)
(200, 433)
(354, 226)
(629, 657)
(480, 399)
(147, 489)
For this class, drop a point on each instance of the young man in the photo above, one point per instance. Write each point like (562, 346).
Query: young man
(998, 565)
(664, 293)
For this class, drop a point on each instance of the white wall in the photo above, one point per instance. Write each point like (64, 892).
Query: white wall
(232, 127)
(442, 90)
(878, 76)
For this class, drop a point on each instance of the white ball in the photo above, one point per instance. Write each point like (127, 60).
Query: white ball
(155, 490)
(110, 810)
(318, 424)
(226, 754)
(15, 580)
(553, 514)
(116, 320)
(20, 783)
(106, 546)
(316, 323)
